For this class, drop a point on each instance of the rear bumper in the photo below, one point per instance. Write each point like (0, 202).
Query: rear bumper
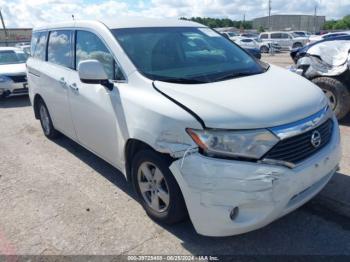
(263, 193)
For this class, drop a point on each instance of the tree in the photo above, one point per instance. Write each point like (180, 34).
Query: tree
(218, 22)
(341, 24)
(338, 24)
(261, 29)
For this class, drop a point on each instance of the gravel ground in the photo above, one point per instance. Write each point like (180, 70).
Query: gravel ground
(56, 198)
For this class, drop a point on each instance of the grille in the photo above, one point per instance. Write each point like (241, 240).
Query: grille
(298, 148)
(18, 78)
(20, 91)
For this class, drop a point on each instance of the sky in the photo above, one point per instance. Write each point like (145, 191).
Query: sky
(30, 13)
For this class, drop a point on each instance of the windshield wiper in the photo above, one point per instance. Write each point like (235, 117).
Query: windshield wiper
(234, 75)
(182, 80)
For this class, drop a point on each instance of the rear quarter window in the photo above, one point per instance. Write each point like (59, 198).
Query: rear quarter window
(34, 41)
(39, 47)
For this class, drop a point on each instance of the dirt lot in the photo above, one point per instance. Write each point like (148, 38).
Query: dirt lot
(58, 198)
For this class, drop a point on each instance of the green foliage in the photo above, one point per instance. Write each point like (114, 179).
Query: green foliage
(261, 29)
(216, 22)
(338, 24)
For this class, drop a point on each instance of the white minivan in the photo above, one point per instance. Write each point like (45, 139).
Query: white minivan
(198, 125)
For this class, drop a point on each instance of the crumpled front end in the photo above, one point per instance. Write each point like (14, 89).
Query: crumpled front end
(326, 59)
(228, 197)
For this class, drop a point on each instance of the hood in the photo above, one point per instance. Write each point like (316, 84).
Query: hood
(273, 98)
(13, 69)
(333, 53)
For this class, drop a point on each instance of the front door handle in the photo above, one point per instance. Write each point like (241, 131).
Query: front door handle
(74, 87)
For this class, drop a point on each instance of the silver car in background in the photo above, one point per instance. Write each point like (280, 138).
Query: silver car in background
(13, 79)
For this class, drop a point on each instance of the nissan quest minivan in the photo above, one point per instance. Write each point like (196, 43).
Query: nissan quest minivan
(199, 127)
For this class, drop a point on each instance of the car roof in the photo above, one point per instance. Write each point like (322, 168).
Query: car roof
(8, 48)
(279, 32)
(341, 32)
(128, 22)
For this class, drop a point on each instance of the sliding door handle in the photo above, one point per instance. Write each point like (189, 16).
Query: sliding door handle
(63, 82)
(74, 87)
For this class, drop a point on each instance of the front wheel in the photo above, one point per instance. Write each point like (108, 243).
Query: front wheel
(337, 94)
(157, 188)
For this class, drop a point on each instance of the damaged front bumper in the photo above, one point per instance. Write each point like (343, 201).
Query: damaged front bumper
(13, 89)
(213, 188)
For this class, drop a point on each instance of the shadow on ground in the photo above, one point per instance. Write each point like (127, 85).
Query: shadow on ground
(345, 121)
(16, 101)
(312, 229)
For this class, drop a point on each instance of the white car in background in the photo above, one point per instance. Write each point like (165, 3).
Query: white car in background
(25, 49)
(286, 40)
(230, 35)
(302, 33)
(264, 47)
(247, 43)
(20, 44)
(13, 78)
(196, 124)
(316, 38)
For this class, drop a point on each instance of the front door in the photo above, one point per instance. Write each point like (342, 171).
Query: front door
(93, 105)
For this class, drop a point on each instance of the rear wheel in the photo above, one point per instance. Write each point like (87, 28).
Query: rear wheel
(46, 122)
(264, 49)
(297, 45)
(337, 93)
(157, 188)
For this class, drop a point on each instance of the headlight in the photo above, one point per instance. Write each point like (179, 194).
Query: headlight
(251, 144)
(4, 79)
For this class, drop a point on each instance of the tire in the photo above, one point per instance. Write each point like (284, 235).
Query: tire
(46, 122)
(338, 94)
(297, 45)
(264, 49)
(176, 210)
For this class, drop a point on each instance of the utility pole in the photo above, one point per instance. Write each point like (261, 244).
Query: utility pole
(5, 31)
(315, 17)
(243, 23)
(270, 28)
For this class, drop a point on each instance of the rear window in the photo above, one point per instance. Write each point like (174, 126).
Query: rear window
(276, 36)
(285, 36)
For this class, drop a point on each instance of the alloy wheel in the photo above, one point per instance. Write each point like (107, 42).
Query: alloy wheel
(153, 187)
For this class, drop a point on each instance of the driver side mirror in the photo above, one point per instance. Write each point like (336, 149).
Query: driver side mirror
(92, 72)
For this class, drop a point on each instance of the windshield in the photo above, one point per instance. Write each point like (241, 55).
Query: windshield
(186, 54)
(12, 57)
